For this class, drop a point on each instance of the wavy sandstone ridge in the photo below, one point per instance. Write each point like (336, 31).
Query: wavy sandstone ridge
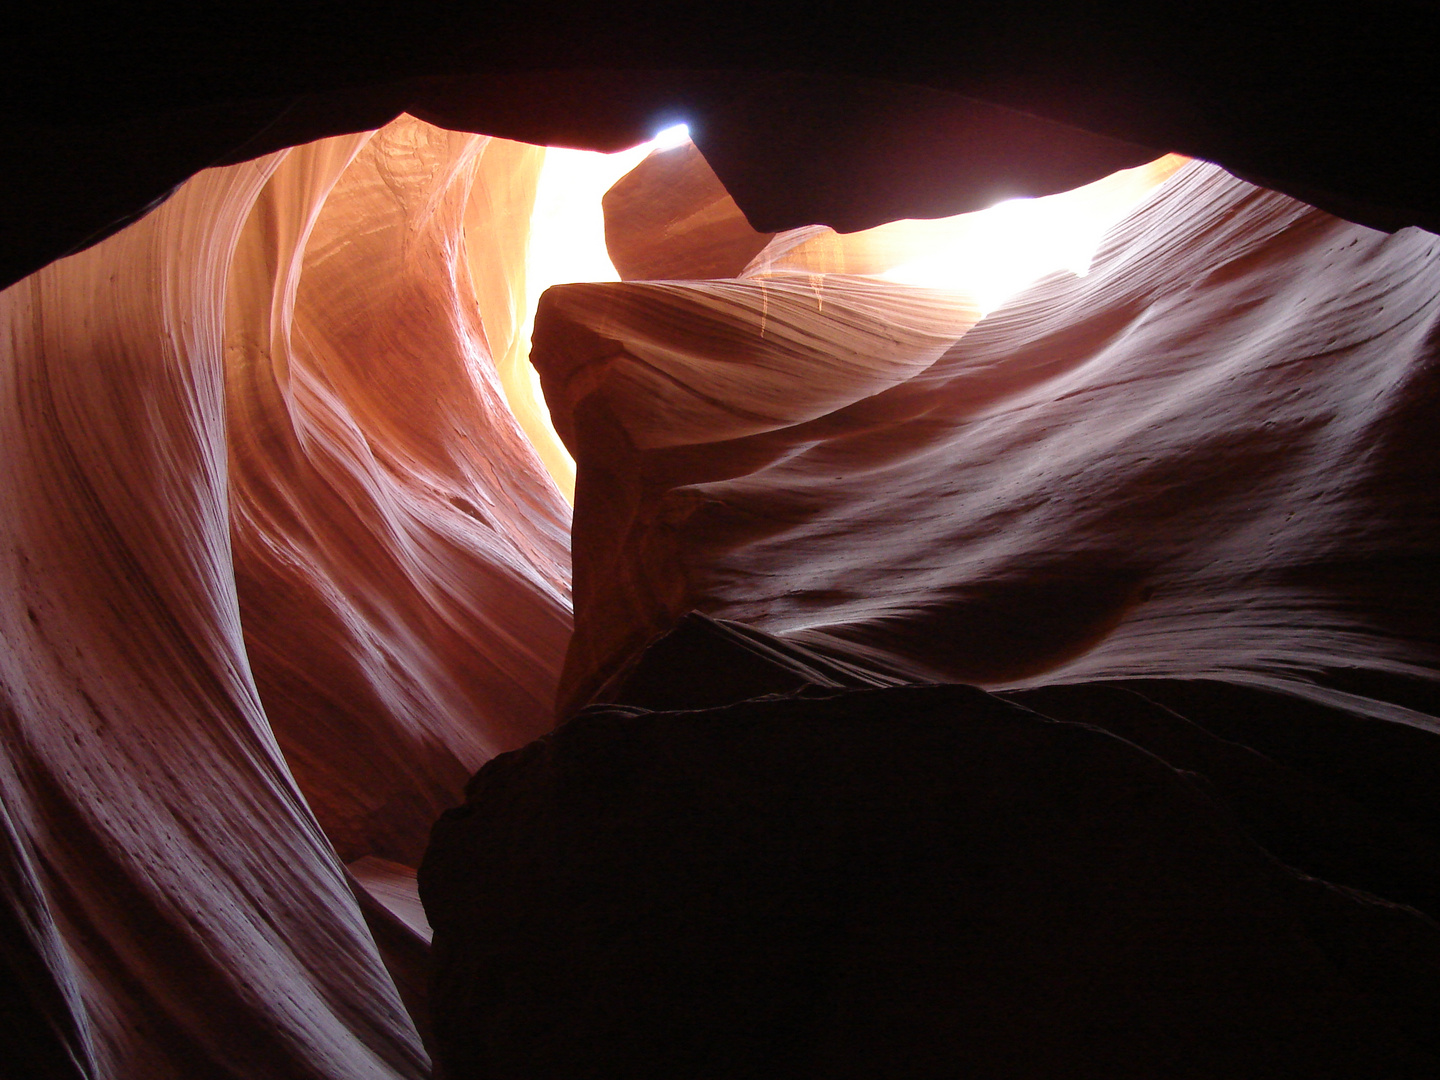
(667, 372)
(400, 554)
(191, 679)
(1178, 512)
(1201, 459)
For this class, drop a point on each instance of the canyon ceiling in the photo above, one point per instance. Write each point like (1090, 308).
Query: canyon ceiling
(1048, 693)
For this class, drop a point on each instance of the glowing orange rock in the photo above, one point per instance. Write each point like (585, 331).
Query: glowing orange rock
(400, 552)
(182, 912)
(671, 218)
(279, 569)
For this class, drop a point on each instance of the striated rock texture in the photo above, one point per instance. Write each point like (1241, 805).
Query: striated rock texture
(279, 571)
(671, 218)
(1201, 459)
(400, 555)
(655, 385)
(171, 904)
(1176, 514)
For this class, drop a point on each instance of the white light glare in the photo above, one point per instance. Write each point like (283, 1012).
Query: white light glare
(995, 253)
(1007, 247)
(672, 136)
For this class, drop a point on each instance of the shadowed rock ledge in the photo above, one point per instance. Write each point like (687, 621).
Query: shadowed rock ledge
(920, 881)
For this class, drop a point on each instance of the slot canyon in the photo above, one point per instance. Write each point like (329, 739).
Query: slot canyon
(763, 650)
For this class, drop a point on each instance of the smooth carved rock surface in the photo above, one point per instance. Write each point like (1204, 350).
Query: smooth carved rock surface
(278, 568)
(671, 218)
(1202, 459)
(168, 888)
(667, 372)
(400, 554)
(279, 571)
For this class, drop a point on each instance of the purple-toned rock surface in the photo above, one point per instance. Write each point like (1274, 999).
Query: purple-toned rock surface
(279, 571)
(1206, 458)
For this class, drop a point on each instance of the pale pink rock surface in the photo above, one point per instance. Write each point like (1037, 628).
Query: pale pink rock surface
(277, 563)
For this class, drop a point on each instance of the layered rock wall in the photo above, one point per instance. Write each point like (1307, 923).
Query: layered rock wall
(401, 555)
(1201, 459)
(179, 897)
(280, 571)
(1179, 514)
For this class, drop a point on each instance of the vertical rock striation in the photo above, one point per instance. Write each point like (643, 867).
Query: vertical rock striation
(279, 571)
(400, 552)
(169, 887)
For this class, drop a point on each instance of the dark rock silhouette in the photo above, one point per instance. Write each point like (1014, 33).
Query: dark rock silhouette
(909, 881)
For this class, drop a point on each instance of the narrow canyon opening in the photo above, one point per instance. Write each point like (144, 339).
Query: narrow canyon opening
(671, 217)
(400, 439)
(1001, 643)
(659, 210)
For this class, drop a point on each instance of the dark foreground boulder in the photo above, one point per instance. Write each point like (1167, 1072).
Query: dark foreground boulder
(906, 882)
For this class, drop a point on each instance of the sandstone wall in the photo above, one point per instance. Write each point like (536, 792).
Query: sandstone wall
(1202, 459)
(280, 571)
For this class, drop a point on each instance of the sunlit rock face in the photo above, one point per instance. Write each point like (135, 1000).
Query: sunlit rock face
(400, 554)
(671, 218)
(177, 908)
(1200, 459)
(280, 571)
(667, 371)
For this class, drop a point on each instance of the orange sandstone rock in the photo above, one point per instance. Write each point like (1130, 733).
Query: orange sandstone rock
(655, 385)
(400, 551)
(176, 909)
(280, 571)
(671, 218)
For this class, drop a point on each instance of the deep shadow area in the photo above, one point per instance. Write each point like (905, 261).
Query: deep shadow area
(805, 117)
(925, 881)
